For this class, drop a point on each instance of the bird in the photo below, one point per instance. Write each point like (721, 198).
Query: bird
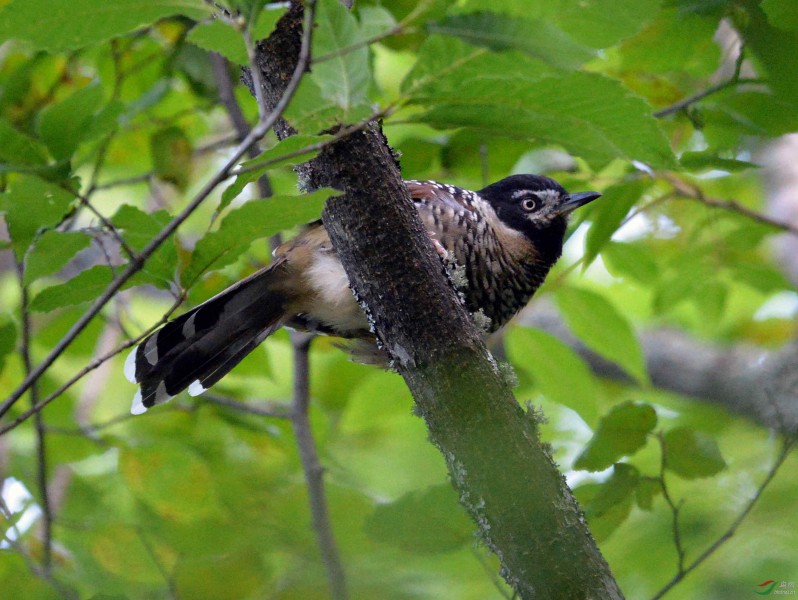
(502, 240)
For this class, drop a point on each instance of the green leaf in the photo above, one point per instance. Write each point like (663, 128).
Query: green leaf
(16, 148)
(289, 151)
(647, 489)
(172, 156)
(634, 260)
(608, 504)
(375, 21)
(138, 229)
(32, 205)
(618, 488)
(219, 36)
(781, 13)
(623, 431)
(705, 161)
(692, 454)
(602, 328)
(85, 286)
(502, 32)
(254, 220)
(342, 78)
(710, 300)
(422, 522)
(559, 373)
(606, 216)
(58, 25)
(597, 23)
(220, 575)
(593, 116)
(63, 125)
(53, 250)
(773, 47)
(8, 341)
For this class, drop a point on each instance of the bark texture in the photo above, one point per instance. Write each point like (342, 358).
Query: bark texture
(505, 477)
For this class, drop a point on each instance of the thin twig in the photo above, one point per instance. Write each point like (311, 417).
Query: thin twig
(261, 409)
(38, 427)
(148, 547)
(690, 100)
(786, 448)
(136, 179)
(84, 200)
(674, 507)
(136, 265)
(314, 472)
(693, 192)
(221, 76)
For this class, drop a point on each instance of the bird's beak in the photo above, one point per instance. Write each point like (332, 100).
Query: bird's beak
(574, 201)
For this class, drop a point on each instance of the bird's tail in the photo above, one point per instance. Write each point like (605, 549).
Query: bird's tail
(198, 348)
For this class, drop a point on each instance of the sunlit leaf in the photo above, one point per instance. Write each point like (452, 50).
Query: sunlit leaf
(53, 250)
(596, 322)
(607, 215)
(611, 124)
(559, 373)
(56, 25)
(31, 206)
(692, 454)
(623, 431)
(633, 260)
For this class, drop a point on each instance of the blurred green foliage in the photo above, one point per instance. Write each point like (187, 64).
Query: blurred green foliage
(113, 105)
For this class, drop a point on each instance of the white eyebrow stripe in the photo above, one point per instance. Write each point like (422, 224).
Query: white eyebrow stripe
(543, 195)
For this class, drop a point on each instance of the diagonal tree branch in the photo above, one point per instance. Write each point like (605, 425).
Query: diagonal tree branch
(507, 481)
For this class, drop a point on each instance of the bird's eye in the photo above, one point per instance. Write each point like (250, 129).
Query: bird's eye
(529, 204)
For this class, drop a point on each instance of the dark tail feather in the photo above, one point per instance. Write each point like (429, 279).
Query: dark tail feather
(198, 348)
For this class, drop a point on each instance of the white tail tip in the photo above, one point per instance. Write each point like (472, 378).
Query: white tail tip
(137, 407)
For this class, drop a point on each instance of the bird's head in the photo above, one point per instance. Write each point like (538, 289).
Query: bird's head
(534, 203)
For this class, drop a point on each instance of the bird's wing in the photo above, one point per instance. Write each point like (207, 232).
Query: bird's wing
(448, 212)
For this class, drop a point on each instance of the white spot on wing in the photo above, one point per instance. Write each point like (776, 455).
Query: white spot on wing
(137, 407)
(196, 388)
(130, 365)
(161, 395)
(188, 327)
(151, 348)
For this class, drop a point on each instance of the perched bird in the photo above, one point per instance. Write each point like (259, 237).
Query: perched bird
(503, 239)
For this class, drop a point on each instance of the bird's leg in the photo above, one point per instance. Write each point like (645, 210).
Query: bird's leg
(442, 252)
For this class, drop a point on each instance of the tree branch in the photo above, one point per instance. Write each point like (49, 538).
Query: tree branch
(314, 472)
(507, 481)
